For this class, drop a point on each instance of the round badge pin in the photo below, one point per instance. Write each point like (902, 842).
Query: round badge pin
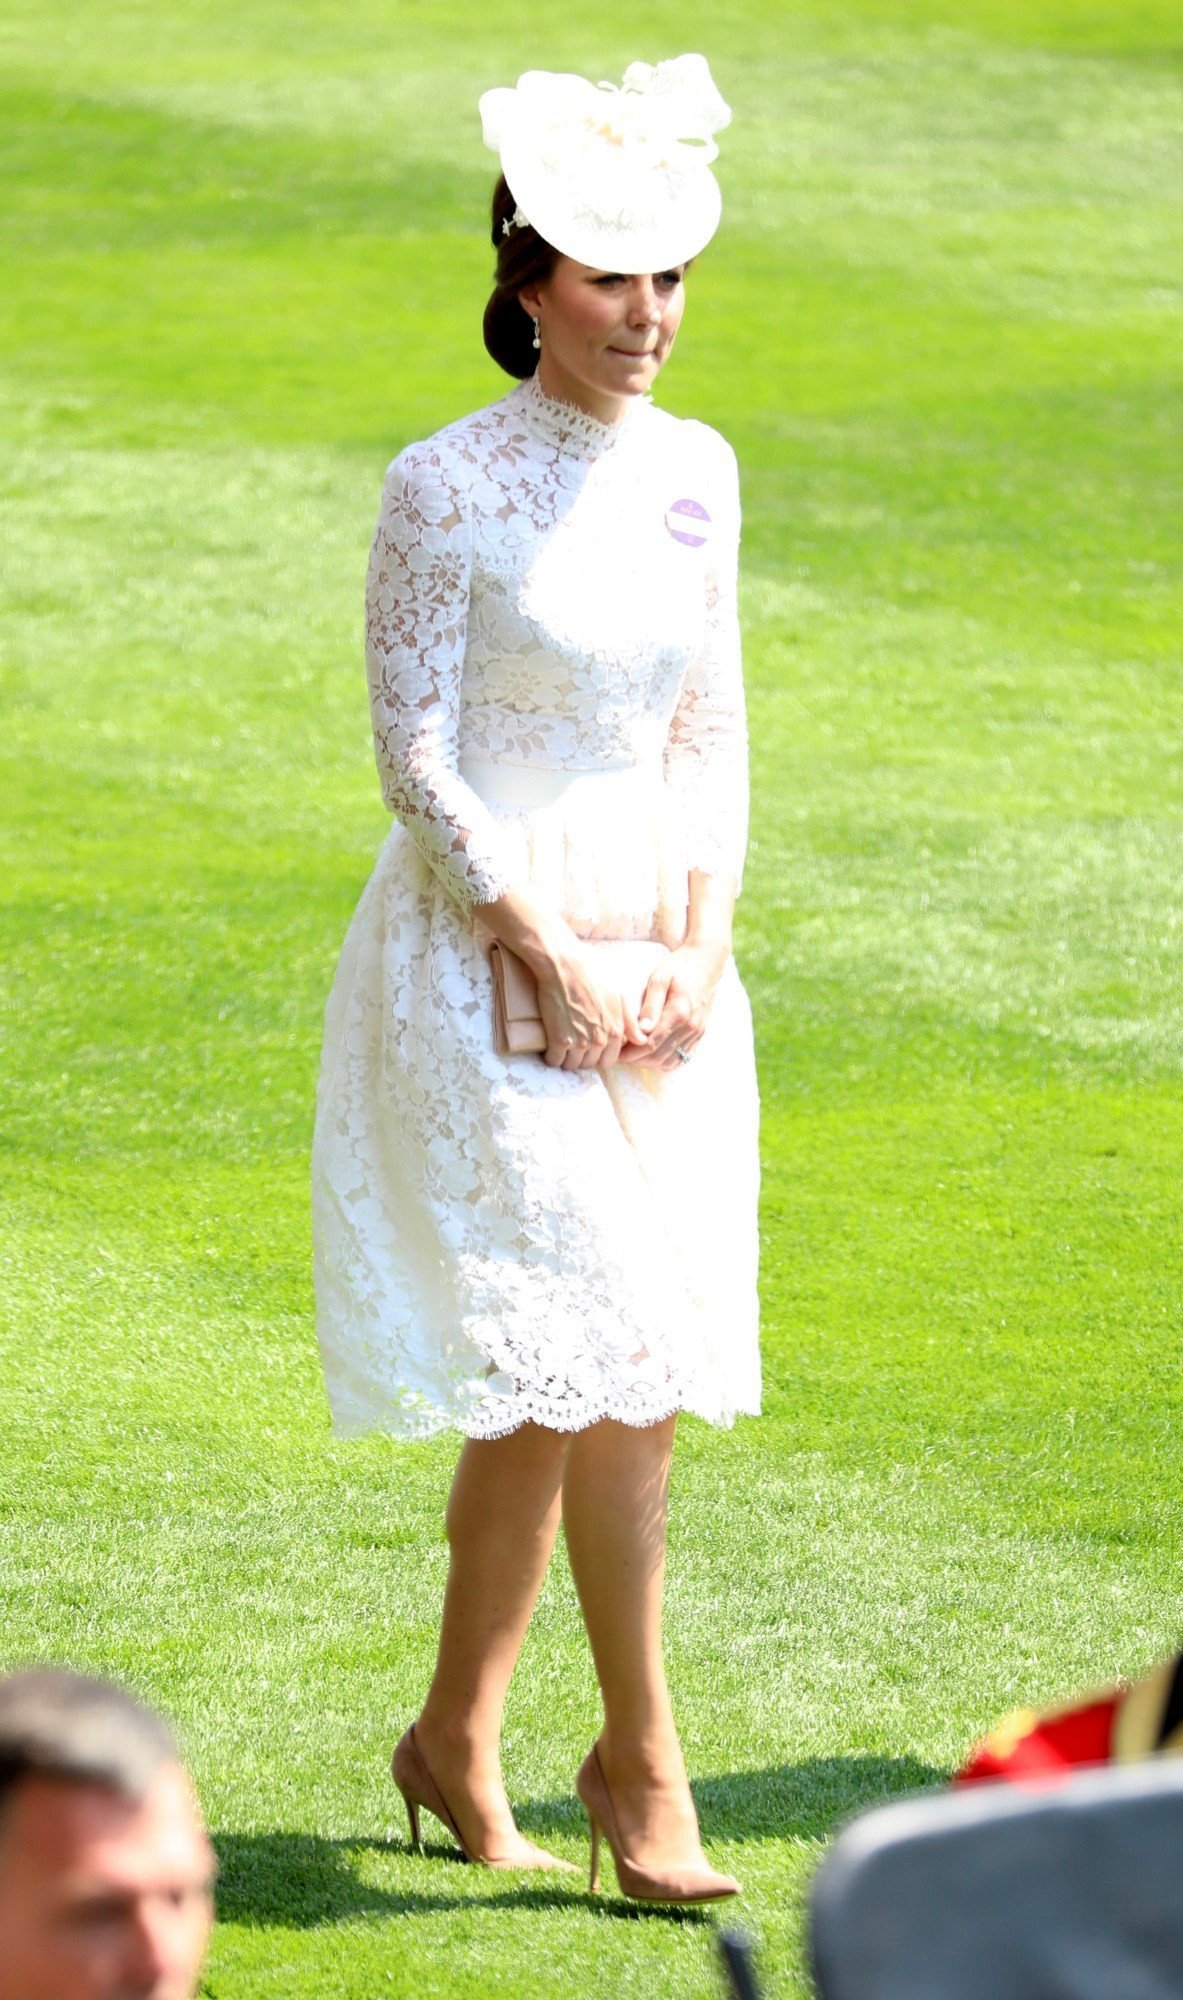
(688, 522)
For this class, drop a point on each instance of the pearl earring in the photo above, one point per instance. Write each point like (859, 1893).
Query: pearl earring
(537, 335)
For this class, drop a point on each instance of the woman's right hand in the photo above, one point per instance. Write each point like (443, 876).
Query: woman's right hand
(587, 1022)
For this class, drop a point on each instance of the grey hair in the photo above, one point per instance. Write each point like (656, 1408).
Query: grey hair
(68, 1726)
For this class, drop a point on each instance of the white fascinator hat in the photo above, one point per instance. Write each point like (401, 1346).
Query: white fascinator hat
(618, 177)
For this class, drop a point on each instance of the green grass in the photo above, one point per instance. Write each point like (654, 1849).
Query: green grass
(244, 262)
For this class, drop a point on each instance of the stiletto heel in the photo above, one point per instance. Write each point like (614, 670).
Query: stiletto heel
(412, 1820)
(686, 1885)
(409, 1770)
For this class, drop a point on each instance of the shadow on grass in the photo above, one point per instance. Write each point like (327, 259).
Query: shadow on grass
(809, 1800)
(301, 1880)
(804, 1801)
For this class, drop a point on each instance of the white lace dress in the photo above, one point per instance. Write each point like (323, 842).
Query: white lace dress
(556, 695)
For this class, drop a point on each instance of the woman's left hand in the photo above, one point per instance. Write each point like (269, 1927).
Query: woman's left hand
(676, 1006)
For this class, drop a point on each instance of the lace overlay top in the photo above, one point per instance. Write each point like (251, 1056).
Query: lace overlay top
(548, 590)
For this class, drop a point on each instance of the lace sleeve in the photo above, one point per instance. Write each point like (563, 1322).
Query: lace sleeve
(706, 755)
(416, 617)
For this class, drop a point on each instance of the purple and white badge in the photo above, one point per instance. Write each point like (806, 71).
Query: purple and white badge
(688, 522)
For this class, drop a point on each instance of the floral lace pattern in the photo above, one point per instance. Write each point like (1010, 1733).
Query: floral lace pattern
(527, 603)
(550, 603)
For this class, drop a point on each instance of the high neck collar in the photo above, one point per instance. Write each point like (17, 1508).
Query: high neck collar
(566, 426)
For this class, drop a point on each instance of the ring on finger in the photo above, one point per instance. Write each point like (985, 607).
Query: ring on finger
(682, 1055)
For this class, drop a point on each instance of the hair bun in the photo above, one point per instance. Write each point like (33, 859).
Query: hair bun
(523, 258)
(509, 335)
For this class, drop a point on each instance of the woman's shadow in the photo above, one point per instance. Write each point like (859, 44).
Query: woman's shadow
(303, 1880)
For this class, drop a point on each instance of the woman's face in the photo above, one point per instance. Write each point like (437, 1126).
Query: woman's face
(605, 335)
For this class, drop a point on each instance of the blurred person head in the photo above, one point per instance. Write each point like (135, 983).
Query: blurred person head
(106, 1871)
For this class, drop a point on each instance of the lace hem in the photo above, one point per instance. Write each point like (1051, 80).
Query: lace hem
(414, 1425)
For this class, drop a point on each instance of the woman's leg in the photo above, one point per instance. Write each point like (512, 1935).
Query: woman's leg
(502, 1516)
(615, 1492)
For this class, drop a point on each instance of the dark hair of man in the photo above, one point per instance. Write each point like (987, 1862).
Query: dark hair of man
(71, 1728)
(523, 258)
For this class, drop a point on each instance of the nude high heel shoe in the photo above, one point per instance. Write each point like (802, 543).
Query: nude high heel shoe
(681, 1885)
(409, 1770)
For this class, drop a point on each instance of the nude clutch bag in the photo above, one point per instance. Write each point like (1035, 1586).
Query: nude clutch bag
(517, 1018)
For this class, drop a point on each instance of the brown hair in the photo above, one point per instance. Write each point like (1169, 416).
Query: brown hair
(67, 1726)
(523, 258)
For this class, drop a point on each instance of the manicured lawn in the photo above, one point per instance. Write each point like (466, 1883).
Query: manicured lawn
(245, 262)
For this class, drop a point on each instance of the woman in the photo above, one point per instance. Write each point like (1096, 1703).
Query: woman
(554, 1254)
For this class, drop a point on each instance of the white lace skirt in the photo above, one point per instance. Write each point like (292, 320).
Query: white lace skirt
(497, 1242)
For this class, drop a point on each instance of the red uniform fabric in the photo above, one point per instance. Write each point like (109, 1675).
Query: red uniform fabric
(1118, 1725)
(1055, 1745)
